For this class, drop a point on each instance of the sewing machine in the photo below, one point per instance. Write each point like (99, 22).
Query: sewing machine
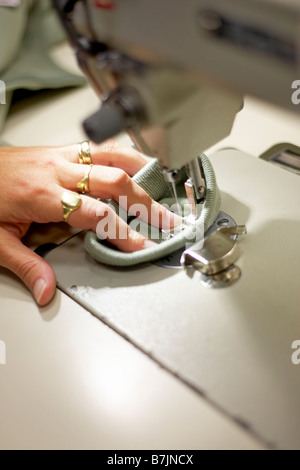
(157, 81)
(173, 75)
(228, 374)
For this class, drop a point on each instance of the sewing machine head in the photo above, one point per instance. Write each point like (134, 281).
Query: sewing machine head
(172, 74)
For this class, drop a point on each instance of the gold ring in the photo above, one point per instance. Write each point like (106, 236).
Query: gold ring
(83, 185)
(70, 202)
(84, 152)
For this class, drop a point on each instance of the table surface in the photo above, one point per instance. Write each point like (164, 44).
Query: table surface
(71, 382)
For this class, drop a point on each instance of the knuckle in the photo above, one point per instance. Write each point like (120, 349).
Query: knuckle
(95, 210)
(49, 162)
(102, 210)
(90, 209)
(19, 230)
(26, 268)
(110, 146)
(121, 179)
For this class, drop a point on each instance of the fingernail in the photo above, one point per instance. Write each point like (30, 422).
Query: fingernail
(39, 289)
(176, 219)
(149, 243)
(173, 221)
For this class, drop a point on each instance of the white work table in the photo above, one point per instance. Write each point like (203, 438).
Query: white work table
(71, 382)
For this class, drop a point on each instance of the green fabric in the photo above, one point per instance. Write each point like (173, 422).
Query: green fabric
(12, 27)
(27, 33)
(3, 143)
(150, 177)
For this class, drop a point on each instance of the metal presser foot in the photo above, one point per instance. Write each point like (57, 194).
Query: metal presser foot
(215, 259)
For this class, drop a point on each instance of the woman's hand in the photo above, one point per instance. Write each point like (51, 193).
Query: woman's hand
(32, 182)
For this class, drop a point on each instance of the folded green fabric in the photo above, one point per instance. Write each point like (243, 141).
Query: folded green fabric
(13, 23)
(27, 33)
(3, 143)
(151, 179)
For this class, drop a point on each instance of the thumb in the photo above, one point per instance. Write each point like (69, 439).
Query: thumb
(38, 275)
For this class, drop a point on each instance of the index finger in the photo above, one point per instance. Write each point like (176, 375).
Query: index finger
(110, 153)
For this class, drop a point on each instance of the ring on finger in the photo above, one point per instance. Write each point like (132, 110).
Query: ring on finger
(83, 185)
(84, 152)
(70, 202)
